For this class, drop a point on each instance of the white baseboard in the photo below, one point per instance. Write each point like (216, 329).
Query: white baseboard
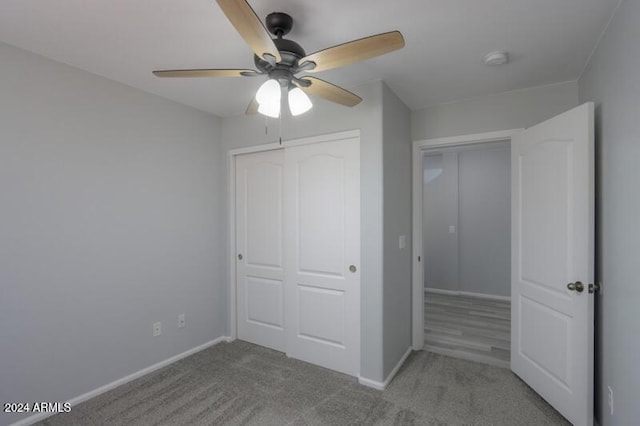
(109, 386)
(383, 385)
(467, 293)
(395, 370)
(371, 383)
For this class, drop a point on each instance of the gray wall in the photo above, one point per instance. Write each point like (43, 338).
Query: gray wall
(439, 212)
(110, 221)
(503, 111)
(471, 193)
(612, 81)
(397, 221)
(326, 117)
(484, 228)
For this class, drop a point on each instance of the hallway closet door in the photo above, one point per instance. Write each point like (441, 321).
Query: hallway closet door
(259, 245)
(322, 257)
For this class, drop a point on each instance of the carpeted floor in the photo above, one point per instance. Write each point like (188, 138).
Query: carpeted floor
(239, 383)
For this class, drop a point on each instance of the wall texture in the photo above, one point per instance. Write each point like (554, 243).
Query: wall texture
(397, 222)
(467, 188)
(326, 117)
(484, 227)
(439, 212)
(612, 81)
(509, 110)
(110, 221)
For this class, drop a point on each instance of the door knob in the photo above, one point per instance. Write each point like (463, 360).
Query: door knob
(240, 256)
(577, 286)
(353, 268)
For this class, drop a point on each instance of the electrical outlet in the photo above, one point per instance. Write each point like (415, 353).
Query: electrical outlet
(610, 400)
(157, 328)
(181, 321)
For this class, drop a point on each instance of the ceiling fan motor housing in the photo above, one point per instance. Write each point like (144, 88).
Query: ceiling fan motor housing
(290, 52)
(279, 24)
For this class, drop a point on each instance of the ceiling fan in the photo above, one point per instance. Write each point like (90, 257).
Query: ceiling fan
(282, 59)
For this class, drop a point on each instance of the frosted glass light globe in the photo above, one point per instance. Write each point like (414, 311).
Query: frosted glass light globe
(269, 92)
(299, 102)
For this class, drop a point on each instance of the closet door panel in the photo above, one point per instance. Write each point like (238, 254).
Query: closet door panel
(322, 242)
(259, 245)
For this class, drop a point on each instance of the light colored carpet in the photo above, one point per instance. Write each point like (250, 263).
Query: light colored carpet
(243, 384)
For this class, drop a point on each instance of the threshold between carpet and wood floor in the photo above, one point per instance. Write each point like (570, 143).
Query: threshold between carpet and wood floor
(468, 327)
(241, 383)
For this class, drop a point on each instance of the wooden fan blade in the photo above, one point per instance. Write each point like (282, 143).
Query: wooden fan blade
(355, 51)
(205, 73)
(247, 23)
(330, 92)
(252, 108)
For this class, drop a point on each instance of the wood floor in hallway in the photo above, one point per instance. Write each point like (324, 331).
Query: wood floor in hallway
(467, 327)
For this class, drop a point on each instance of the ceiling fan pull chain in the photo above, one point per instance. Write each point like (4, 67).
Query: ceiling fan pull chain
(280, 129)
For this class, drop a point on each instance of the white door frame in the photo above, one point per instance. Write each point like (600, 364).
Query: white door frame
(419, 146)
(231, 235)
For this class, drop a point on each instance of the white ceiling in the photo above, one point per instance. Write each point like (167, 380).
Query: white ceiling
(549, 41)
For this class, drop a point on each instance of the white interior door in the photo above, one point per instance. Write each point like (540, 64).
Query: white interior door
(552, 250)
(259, 245)
(322, 242)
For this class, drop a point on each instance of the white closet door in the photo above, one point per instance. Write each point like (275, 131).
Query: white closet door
(322, 241)
(259, 245)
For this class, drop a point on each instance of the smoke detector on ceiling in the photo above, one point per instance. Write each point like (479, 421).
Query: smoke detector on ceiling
(499, 57)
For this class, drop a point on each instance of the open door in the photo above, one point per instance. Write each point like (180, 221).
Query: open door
(552, 261)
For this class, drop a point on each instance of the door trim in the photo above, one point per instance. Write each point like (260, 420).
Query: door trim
(231, 213)
(417, 292)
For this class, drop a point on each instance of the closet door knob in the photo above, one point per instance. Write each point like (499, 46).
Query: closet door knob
(353, 268)
(240, 256)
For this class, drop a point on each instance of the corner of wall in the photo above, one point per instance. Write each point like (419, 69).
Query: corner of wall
(611, 80)
(396, 299)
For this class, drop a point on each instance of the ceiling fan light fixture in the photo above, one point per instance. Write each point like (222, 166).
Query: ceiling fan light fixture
(282, 59)
(270, 110)
(299, 102)
(269, 93)
(268, 97)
